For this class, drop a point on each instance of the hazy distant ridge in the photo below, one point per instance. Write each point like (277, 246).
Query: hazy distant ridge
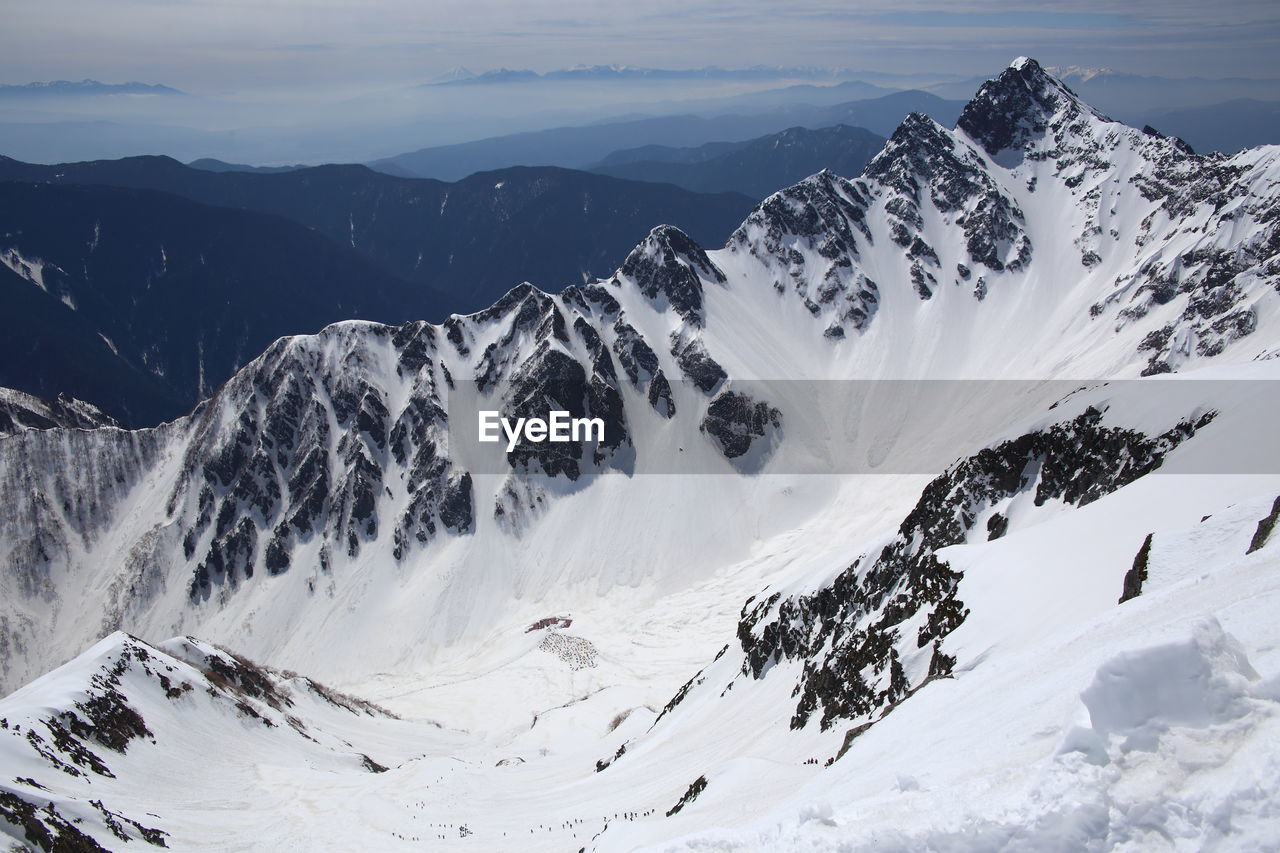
(86, 87)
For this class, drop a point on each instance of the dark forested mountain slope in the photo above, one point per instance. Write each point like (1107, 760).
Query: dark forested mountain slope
(472, 240)
(142, 303)
(757, 168)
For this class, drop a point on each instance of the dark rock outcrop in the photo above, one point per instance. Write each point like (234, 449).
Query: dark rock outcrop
(735, 421)
(852, 636)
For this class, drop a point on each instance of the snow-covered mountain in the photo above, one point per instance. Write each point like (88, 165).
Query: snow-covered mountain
(21, 411)
(533, 615)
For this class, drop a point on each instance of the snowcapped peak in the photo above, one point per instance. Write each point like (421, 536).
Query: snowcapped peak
(1018, 106)
(813, 209)
(823, 181)
(669, 265)
(454, 74)
(670, 234)
(917, 128)
(918, 139)
(516, 295)
(918, 142)
(668, 240)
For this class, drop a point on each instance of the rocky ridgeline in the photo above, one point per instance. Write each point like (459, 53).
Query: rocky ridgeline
(81, 736)
(1022, 130)
(875, 633)
(1026, 117)
(327, 445)
(308, 454)
(20, 412)
(806, 239)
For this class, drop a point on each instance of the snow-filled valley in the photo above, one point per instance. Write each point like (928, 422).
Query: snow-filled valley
(934, 511)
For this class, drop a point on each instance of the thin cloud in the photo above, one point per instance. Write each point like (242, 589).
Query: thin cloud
(225, 44)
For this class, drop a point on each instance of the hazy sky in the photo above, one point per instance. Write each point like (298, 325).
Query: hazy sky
(221, 46)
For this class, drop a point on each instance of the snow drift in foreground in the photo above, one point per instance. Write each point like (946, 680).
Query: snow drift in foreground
(1151, 725)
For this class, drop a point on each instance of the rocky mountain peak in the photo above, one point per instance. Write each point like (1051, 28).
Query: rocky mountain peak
(813, 209)
(917, 148)
(1018, 107)
(924, 162)
(807, 239)
(669, 265)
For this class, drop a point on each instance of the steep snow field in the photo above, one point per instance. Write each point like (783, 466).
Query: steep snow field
(1073, 722)
(1077, 723)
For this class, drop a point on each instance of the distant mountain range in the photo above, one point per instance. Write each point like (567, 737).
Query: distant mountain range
(580, 147)
(209, 164)
(142, 303)
(85, 87)
(140, 284)
(472, 240)
(757, 168)
(789, 97)
(1226, 127)
(55, 141)
(463, 76)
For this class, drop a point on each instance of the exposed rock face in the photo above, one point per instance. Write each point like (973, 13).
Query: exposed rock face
(667, 266)
(66, 486)
(552, 381)
(735, 422)
(1137, 574)
(806, 238)
(876, 632)
(309, 455)
(1027, 118)
(1019, 106)
(696, 363)
(924, 161)
(327, 446)
(1266, 527)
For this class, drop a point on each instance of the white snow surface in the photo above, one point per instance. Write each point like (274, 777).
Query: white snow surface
(1145, 726)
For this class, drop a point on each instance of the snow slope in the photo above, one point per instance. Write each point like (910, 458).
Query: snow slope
(1138, 720)
(1150, 725)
